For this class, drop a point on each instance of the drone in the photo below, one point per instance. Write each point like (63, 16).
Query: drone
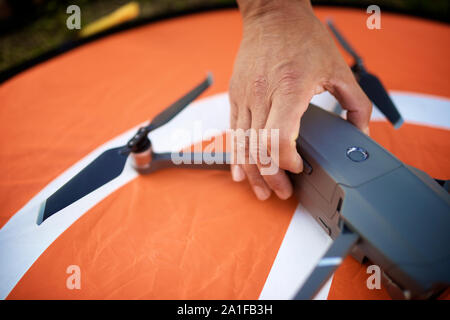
(370, 203)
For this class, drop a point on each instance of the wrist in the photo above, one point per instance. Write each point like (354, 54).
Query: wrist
(266, 10)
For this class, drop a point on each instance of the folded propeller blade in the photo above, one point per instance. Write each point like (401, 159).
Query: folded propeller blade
(370, 84)
(103, 169)
(110, 164)
(169, 113)
(376, 92)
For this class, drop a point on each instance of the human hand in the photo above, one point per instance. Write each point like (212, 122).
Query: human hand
(286, 56)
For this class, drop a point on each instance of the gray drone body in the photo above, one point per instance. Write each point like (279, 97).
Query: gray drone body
(399, 213)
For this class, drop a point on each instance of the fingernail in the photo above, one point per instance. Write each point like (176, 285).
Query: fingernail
(261, 193)
(237, 174)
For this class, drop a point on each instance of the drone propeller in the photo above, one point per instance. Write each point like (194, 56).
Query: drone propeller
(110, 164)
(374, 89)
(370, 84)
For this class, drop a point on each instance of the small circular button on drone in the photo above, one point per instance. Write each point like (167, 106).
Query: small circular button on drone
(357, 154)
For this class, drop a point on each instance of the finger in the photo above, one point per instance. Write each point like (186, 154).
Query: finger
(285, 114)
(353, 99)
(276, 179)
(260, 188)
(237, 174)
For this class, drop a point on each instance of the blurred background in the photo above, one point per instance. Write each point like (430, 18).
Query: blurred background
(31, 28)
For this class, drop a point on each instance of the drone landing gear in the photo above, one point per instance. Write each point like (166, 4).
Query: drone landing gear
(327, 264)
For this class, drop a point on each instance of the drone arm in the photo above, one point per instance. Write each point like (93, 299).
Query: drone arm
(217, 161)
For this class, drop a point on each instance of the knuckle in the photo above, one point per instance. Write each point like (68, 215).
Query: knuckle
(288, 78)
(259, 86)
(288, 85)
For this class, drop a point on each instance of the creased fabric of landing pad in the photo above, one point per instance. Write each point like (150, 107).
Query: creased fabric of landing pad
(189, 233)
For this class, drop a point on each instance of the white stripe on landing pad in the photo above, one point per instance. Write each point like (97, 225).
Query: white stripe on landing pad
(22, 241)
(303, 245)
(420, 109)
